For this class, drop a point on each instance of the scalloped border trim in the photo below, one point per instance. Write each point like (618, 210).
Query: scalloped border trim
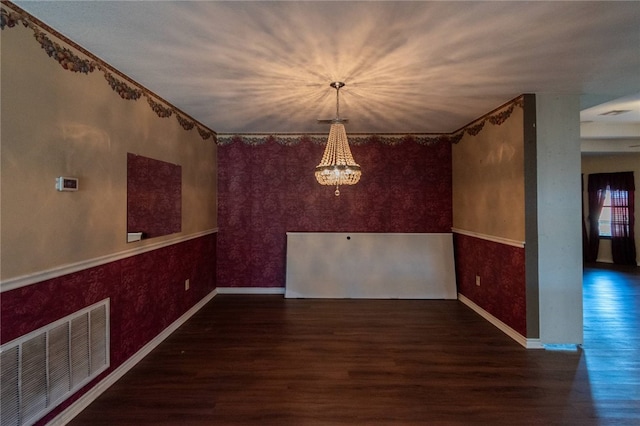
(495, 117)
(125, 87)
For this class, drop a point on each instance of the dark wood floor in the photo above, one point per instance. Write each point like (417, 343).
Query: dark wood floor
(266, 360)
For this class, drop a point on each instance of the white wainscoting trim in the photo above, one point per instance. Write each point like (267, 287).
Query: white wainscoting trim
(250, 290)
(25, 280)
(527, 343)
(83, 402)
(500, 240)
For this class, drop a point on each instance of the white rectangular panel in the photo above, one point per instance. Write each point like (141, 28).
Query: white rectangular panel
(370, 265)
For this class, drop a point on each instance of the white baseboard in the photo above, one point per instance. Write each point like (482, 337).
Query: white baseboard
(83, 402)
(527, 343)
(250, 290)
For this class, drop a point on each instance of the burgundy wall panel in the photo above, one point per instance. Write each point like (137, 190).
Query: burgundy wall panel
(147, 295)
(267, 190)
(154, 196)
(502, 290)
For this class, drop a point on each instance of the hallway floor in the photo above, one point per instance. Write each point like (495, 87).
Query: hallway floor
(611, 353)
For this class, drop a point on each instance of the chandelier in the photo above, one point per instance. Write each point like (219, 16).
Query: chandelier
(337, 166)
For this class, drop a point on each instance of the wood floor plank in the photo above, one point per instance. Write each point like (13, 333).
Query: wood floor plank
(266, 360)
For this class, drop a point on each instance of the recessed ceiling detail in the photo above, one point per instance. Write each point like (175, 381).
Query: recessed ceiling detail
(72, 62)
(615, 112)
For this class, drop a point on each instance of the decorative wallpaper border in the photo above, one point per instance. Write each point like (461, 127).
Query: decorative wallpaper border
(495, 117)
(355, 139)
(126, 88)
(70, 61)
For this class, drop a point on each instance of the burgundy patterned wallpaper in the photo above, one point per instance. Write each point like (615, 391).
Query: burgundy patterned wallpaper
(147, 294)
(502, 290)
(269, 189)
(154, 196)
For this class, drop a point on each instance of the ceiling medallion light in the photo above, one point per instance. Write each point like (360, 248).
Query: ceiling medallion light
(337, 166)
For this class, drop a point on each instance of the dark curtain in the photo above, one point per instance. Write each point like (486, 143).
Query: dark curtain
(621, 187)
(585, 236)
(596, 188)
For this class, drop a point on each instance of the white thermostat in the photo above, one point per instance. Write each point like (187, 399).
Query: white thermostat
(66, 183)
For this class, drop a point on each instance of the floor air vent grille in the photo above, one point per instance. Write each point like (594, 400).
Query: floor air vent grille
(41, 369)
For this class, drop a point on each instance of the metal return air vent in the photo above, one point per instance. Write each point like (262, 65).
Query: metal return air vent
(41, 369)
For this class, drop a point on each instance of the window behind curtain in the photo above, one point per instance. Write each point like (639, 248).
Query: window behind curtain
(604, 221)
(620, 217)
(611, 215)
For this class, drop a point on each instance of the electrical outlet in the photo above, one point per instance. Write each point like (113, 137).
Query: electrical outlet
(186, 284)
(478, 280)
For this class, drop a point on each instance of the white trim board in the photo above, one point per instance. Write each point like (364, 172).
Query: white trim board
(500, 240)
(83, 402)
(25, 280)
(523, 341)
(250, 290)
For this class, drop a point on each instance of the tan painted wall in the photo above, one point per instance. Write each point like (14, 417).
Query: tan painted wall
(488, 180)
(59, 123)
(620, 162)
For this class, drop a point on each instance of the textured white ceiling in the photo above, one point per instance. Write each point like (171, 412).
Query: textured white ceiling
(421, 66)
